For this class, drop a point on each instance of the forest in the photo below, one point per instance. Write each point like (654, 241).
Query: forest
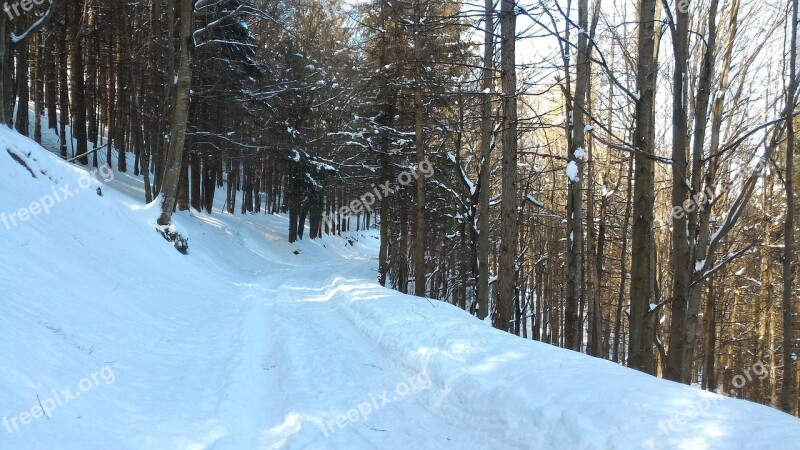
(613, 177)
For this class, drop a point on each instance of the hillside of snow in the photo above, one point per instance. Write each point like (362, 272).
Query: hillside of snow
(111, 339)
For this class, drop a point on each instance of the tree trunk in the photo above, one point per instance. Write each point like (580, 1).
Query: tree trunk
(484, 178)
(678, 362)
(623, 265)
(77, 82)
(180, 113)
(573, 326)
(420, 270)
(788, 229)
(642, 270)
(385, 120)
(5, 74)
(508, 214)
(21, 124)
(38, 89)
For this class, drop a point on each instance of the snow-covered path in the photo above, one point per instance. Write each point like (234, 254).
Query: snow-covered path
(334, 370)
(250, 342)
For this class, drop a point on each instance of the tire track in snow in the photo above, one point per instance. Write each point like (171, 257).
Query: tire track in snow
(327, 367)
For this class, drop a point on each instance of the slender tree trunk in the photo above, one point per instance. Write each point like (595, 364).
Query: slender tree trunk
(710, 317)
(788, 229)
(21, 124)
(420, 270)
(642, 270)
(385, 119)
(77, 81)
(180, 113)
(63, 87)
(5, 75)
(573, 325)
(508, 214)
(681, 248)
(51, 82)
(623, 273)
(484, 179)
(764, 305)
(38, 88)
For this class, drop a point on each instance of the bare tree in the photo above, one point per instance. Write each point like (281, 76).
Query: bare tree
(788, 229)
(484, 179)
(509, 194)
(573, 329)
(642, 247)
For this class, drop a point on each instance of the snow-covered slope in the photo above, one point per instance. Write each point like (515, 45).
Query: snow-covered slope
(250, 342)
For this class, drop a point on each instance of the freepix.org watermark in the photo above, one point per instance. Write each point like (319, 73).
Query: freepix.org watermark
(16, 8)
(416, 383)
(48, 405)
(700, 200)
(702, 406)
(379, 192)
(45, 203)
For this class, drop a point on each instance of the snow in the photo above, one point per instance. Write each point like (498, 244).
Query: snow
(605, 192)
(572, 172)
(249, 342)
(533, 200)
(580, 154)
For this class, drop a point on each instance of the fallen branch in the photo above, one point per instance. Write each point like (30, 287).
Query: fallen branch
(21, 161)
(40, 406)
(87, 153)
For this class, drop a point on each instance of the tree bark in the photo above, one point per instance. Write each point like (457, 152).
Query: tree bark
(678, 360)
(641, 355)
(5, 75)
(484, 178)
(180, 113)
(508, 214)
(788, 229)
(573, 326)
(77, 81)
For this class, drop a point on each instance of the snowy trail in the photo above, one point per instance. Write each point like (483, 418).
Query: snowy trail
(332, 369)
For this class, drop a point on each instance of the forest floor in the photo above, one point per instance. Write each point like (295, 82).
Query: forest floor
(250, 342)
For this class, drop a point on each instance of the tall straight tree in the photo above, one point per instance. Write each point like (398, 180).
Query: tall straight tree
(78, 81)
(508, 214)
(420, 271)
(5, 74)
(640, 355)
(484, 179)
(681, 247)
(573, 329)
(788, 229)
(387, 100)
(180, 112)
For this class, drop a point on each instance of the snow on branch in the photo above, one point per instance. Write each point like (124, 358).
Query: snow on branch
(719, 265)
(16, 40)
